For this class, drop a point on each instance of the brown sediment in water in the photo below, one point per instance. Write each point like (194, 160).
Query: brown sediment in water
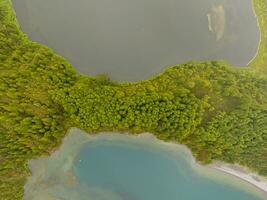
(216, 21)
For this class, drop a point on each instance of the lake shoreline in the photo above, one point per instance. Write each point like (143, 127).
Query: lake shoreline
(233, 170)
(241, 173)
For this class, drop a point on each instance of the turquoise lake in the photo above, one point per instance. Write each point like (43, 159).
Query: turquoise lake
(113, 166)
(135, 173)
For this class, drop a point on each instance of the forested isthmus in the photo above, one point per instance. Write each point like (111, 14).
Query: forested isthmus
(218, 111)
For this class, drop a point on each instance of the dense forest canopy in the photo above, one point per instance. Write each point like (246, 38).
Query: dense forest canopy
(218, 111)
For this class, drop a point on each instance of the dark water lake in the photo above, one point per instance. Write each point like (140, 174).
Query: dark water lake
(113, 166)
(133, 40)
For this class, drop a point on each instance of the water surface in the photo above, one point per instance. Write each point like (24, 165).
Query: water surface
(122, 167)
(131, 40)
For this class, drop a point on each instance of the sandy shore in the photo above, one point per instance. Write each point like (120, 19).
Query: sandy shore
(236, 171)
(242, 173)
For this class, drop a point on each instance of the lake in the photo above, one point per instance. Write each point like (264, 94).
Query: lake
(112, 166)
(134, 40)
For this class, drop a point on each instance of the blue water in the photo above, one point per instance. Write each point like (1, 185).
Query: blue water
(135, 172)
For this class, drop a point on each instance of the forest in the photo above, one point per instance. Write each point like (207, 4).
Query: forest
(218, 111)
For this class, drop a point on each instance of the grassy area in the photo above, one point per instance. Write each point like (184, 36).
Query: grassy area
(260, 61)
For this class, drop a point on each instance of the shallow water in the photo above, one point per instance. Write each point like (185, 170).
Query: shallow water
(122, 167)
(133, 40)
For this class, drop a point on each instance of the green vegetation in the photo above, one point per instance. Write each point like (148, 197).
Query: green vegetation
(260, 62)
(220, 112)
(31, 124)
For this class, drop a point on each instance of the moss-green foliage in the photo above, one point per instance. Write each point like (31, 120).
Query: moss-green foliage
(218, 111)
(31, 124)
